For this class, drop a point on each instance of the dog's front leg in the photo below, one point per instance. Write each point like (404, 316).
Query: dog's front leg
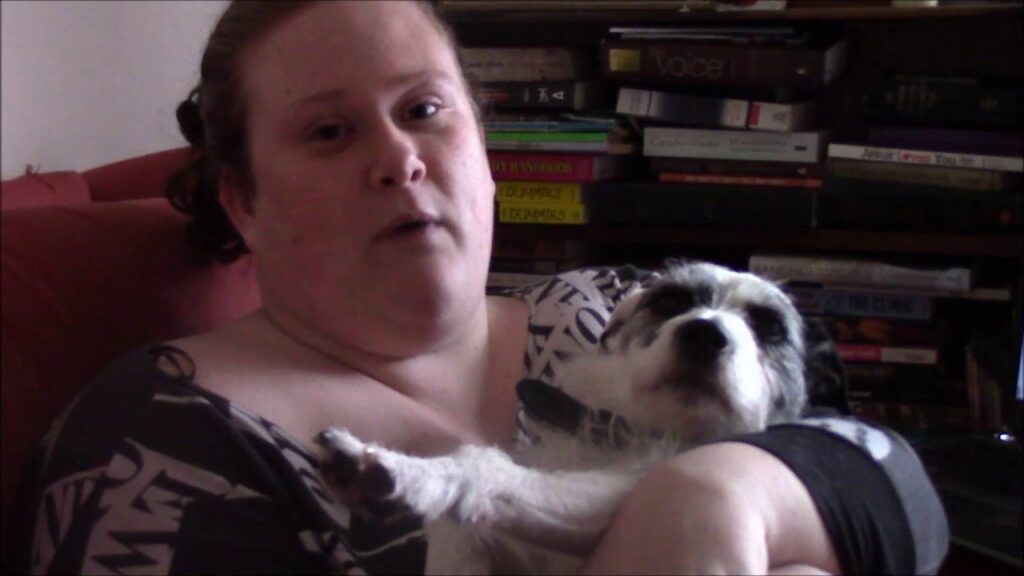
(567, 511)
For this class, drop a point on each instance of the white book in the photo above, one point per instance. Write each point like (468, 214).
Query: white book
(734, 144)
(926, 157)
(683, 108)
(858, 273)
(775, 117)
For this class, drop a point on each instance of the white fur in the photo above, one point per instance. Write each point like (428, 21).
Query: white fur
(540, 509)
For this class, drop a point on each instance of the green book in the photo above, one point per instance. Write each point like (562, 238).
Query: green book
(501, 136)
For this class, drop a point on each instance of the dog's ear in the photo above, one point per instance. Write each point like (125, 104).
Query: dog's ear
(824, 371)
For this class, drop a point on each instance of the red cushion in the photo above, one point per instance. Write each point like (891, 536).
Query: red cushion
(81, 285)
(139, 177)
(44, 190)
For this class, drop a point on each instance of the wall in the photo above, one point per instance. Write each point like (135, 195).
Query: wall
(91, 82)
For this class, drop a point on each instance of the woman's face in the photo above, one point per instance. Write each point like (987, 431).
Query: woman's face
(371, 217)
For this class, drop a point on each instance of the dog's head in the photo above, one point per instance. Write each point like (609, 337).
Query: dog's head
(704, 353)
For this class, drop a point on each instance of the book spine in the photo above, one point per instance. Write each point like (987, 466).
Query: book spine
(604, 147)
(860, 304)
(683, 108)
(711, 64)
(562, 193)
(739, 180)
(925, 157)
(741, 167)
(924, 384)
(502, 136)
(940, 176)
(913, 417)
(924, 101)
(520, 64)
(722, 207)
(775, 117)
(886, 332)
(879, 205)
(852, 352)
(537, 213)
(859, 273)
(537, 95)
(990, 142)
(551, 167)
(733, 144)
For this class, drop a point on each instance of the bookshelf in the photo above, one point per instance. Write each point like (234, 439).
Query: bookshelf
(976, 38)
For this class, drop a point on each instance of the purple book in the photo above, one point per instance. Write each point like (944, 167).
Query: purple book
(992, 142)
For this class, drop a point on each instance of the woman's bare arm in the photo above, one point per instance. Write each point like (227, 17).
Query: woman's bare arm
(726, 508)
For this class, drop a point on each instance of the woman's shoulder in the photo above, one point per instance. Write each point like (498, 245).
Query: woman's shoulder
(606, 285)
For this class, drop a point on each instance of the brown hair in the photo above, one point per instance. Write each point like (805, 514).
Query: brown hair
(212, 120)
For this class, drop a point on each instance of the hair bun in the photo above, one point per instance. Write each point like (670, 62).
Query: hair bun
(190, 122)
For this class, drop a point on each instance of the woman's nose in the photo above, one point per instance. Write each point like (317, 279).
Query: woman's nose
(396, 160)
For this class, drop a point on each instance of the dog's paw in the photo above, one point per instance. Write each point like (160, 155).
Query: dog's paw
(353, 469)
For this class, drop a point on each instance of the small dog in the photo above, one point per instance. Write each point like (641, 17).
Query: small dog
(703, 354)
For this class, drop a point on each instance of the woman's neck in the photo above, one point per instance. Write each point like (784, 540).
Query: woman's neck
(447, 374)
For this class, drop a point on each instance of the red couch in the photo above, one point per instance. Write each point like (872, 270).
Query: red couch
(94, 264)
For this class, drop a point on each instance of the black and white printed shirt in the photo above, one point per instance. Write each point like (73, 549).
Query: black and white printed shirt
(148, 472)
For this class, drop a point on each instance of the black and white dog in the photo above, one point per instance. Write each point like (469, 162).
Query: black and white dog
(703, 354)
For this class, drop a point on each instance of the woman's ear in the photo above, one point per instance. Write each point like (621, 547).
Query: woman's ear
(236, 199)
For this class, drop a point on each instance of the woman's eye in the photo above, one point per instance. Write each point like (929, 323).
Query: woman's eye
(326, 133)
(423, 110)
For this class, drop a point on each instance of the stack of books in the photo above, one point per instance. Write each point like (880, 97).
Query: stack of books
(940, 154)
(723, 109)
(550, 134)
(548, 130)
(902, 332)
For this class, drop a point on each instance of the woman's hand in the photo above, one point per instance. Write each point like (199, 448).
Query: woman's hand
(726, 508)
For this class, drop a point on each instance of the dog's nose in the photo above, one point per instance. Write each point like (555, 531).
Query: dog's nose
(701, 340)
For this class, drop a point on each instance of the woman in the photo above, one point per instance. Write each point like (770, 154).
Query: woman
(338, 143)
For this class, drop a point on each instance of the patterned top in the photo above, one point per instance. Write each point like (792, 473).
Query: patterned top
(148, 472)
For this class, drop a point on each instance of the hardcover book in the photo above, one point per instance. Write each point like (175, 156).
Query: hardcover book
(693, 110)
(706, 206)
(738, 167)
(555, 167)
(846, 203)
(522, 64)
(854, 272)
(716, 63)
(740, 180)
(820, 301)
(542, 95)
(851, 352)
(923, 175)
(803, 147)
(683, 108)
(925, 157)
(924, 384)
(989, 142)
(605, 146)
(961, 101)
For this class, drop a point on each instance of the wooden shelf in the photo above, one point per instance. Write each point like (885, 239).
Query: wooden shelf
(803, 241)
(526, 11)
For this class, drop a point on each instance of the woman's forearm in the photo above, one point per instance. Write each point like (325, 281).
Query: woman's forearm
(725, 508)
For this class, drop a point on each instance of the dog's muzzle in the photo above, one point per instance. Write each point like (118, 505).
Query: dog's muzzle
(701, 342)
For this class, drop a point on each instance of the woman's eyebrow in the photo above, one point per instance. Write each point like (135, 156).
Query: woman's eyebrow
(406, 79)
(322, 97)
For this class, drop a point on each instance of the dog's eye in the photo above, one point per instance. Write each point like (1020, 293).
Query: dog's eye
(767, 324)
(670, 303)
